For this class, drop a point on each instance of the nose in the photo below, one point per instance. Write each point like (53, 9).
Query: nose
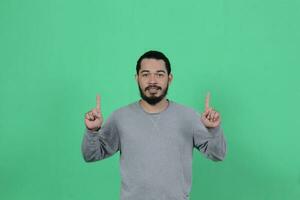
(152, 79)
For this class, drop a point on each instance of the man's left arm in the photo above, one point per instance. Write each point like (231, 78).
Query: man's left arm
(208, 135)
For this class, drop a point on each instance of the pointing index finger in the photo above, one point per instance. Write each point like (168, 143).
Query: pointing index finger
(207, 101)
(98, 102)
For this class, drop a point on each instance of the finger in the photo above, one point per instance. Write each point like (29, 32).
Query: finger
(207, 122)
(96, 113)
(208, 115)
(216, 116)
(91, 116)
(205, 114)
(212, 115)
(204, 119)
(87, 116)
(98, 102)
(207, 99)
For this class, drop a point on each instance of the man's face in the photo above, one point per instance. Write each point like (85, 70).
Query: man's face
(153, 80)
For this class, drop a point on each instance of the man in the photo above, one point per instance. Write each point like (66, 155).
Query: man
(155, 136)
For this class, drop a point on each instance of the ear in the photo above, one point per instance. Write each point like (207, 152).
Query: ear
(136, 78)
(170, 78)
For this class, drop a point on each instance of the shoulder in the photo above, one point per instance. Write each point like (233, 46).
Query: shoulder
(125, 110)
(188, 116)
(183, 109)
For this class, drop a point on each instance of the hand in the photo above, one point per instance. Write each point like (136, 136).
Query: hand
(93, 119)
(210, 118)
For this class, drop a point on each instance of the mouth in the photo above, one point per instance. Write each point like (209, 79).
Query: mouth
(153, 89)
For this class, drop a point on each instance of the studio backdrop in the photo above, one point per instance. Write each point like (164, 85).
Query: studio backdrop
(56, 55)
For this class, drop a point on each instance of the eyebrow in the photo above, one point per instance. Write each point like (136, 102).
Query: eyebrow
(144, 70)
(161, 71)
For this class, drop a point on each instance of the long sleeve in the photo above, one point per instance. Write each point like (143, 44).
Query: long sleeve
(210, 141)
(98, 145)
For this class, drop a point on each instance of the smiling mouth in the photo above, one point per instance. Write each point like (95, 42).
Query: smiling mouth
(152, 88)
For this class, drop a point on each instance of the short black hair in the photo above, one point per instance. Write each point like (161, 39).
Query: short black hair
(156, 55)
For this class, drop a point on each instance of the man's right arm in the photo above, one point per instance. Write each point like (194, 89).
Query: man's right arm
(98, 145)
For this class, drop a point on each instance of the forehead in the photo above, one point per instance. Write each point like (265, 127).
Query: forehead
(153, 65)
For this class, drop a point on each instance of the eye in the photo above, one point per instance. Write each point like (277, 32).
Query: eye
(144, 75)
(161, 75)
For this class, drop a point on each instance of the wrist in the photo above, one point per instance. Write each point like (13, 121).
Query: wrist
(94, 129)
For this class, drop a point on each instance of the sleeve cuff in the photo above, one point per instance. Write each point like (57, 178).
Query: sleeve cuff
(91, 133)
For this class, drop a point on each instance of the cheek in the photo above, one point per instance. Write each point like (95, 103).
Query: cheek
(164, 83)
(141, 84)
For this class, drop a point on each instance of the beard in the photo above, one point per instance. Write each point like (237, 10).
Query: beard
(152, 100)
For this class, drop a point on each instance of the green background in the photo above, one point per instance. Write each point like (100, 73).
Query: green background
(55, 56)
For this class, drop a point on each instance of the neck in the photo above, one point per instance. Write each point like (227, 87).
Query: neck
(160, 106)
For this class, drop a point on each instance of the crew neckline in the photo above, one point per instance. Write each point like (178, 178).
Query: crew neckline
(157, 113)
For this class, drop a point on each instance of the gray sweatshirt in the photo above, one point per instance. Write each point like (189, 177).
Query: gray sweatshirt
(156, 149)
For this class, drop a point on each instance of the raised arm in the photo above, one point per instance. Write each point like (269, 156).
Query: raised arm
(99, 142)
(208, 135)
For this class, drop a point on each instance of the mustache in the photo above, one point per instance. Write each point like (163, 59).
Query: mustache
(152, 86)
